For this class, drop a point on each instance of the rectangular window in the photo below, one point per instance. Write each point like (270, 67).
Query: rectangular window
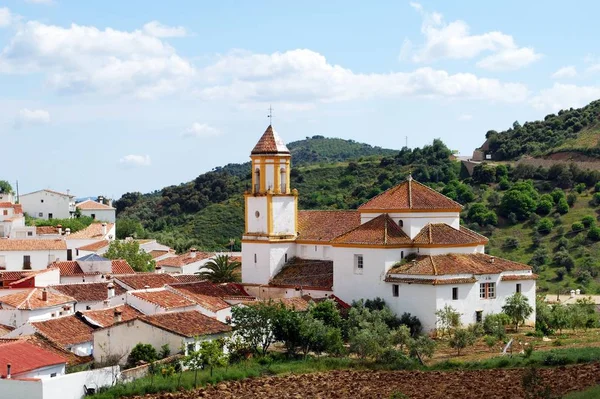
(255, 258)
(41, 214)
(518, 289)
(30, 234)
(454, 293)
(395, 290)
(26, 262)
(487, 290)
(5, 212)
(401, 255)
(358, 264)
(478, 316)
(191, 348)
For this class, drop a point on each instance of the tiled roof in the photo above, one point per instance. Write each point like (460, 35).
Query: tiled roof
(143, 280)
(164, 298)
(457, 264)
(8, 277)
(93, 231)
(381, 230)
(187, 324)
(325, 225)
(89, 204)
(518, 277)
(5, 330)
(32, 244)
(208, 295)
(306, 273)
(211, 303)
(18, 208)
(88, 292)
(42, 342)
(106, 317)
(68, 330)
(431, 281)
(24, 357)
(41, 230)
(297, 303)
(72, 268)
(443, 234)
(411, 195)
(95, 246)
(270, 143)
(49, 191)
(185, 259)
(32, 299)
(158, 252)
(188, 278)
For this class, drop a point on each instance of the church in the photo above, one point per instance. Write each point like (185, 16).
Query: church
(405, 245)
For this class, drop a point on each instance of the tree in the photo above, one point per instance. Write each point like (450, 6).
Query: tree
(140, 261)
(421, 347)
(562, 206)
(254, 324)
(560, 317)
(517, 307)
(447, 319)
(221, 269)
(588, 221)
(461, 338)
(141, 353)
(129, 228)
(193, 361)
(518, 202)
(327, 312)
(5, 187)
(211, 354)
(544, 226)
(480, 214)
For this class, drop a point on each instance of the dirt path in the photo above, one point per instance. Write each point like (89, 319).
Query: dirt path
(475, 384)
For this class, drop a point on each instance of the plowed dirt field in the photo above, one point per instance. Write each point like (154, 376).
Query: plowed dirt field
(475, 384)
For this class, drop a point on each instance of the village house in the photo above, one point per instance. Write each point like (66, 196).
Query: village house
(93, 295)
(97, 210)
(97, 231)
(188, 263)
(151, 301)
(178, 330)
(30, 254)
(405, 245)
(91, 269)
(21, 359)
(30, 279)
(48, 204)
(12, 222)
(140, 281)
(17, 306)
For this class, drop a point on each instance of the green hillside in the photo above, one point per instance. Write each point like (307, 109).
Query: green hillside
(573, 130)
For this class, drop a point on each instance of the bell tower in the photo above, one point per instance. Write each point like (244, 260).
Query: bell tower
(271, 210)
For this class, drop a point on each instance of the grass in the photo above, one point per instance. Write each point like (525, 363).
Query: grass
(591, 393)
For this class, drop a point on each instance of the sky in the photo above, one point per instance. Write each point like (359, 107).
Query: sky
(107, 97)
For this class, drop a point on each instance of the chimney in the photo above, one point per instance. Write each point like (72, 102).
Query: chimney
(8, 371)
(44, 295)
(104, 229)
(67, 231)
(100, 199)
(146, 287)
(111, 290)
(118, 316)
(572, 293)
(577, 291)
(491, 259)
(59, 227)
(192, 252)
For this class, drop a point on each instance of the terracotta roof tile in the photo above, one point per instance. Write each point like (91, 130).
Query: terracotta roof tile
(88, 292)
(89, 204)
(68, 330)
(95, 246)
(42, 342)
(42, 230)
(17, 208)
(210, 296)
(49, 191)
(24, 356)
(410, 195)
(518, 277)
(8, 277)
(106, 317)
(188, 278)
(306, 273)
(457, 264)
(141, 280)
(32, 244)
(32, 299)
(443, 234)
(298, 304)
(185, 259)
(187, 324)
(381, 230)
(409, 280)
(164, 298)
(159, 252)
(270, 143)
(72, 268)
(93, 231)
(5, 330)
(325, 225)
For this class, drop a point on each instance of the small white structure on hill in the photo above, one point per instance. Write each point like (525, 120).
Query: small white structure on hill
(48, 204)
(97, 210)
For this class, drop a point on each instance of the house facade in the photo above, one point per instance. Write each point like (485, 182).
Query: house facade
(48, 204)
(30, 254)
(97, 210)
(405, 245)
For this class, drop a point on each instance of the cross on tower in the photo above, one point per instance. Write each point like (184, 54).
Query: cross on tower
(270, 116)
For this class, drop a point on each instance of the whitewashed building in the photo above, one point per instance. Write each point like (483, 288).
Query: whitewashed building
(19, 306)
(21, 360)
(48, 204)
(97, 210)
(405, 245)
(30, 254)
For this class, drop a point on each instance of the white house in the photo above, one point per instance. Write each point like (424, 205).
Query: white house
(97, 210)
(30, 278)
(88, 295)
(179, 329)
(33, 304)
(21, 359)
(160, 300)
(12, 221)
(88, 270)
(30, 254)
(188, 263)
(405, 245)
(97, 231)
(48, 204)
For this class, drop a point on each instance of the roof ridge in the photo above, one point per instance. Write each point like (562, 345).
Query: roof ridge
(409, 191)
(385, 230)
(435, 272)
(27, 299)
(430, 233)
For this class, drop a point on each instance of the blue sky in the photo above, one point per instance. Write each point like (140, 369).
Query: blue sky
(105, 97)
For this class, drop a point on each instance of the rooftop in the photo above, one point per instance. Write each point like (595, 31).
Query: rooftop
(93, 231)
(185, 259)
(106, 317)
(92, 205)
(324, 226)
(305, 273)
(49, 191)
(443, 234)
(32, 245)
(270, 143)
(64, 331)
(24, 356)
(88, 292)
(95, 246)
(208, 295)
(142, 280)
(164, 298)
(381, 230)
(72, 268)
(187, 324)
(411, 196)
(439, 265)
(32, 299)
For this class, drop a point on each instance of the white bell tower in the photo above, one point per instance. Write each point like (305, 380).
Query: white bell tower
(271, 211)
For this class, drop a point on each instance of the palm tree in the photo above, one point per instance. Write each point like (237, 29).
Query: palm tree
(221, 269)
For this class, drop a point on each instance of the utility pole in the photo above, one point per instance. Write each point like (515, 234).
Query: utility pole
(406, 141)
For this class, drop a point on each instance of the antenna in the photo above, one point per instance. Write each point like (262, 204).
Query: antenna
(406, 141)
(17, 192)
(270, 116)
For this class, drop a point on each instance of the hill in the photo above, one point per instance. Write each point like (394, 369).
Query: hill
(573, 132)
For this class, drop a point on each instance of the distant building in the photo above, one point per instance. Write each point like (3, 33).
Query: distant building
(97, 210)
(48, 204)
(30, 254)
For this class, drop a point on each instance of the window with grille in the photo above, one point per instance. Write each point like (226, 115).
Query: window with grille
(358, 264)
(487, 290)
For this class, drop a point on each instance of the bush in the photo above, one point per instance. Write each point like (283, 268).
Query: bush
(494, 324)
(540, 256)
(588, 221)
(545, 226)
(594, 233)
(577, 227)
(597, 187)
(460, 339)
(511, 243)
(141, 353)
(580, 188)
(512, 218)
(544, 207)
(563, 206)
(412, 322)
(595, 201)
(562, 244)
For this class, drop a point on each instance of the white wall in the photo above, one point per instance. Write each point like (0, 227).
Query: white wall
(269, 260)
(257, 224)
(58, 205)
(284, 215)
(415, 221)
(51, 277)
(43, 372)
(22, 389)
(475, 249)
(90, 278)
(314, 251)
(104, 215)
(16, 317)
(417, 299)
(39, 259)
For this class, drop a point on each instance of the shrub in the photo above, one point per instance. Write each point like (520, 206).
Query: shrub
(460, 339)
(494, 324)
(561, 272)
(594, 233)
(595, 201)
(511, 243)
(588, 221)
(580, 187)
(141, 353)
(540, 256)
(512, 218)
(544, 207)
(528, 351)
(563, 206)
(490, 341)
(412, 322)
(597, 187)
(545, 226)
(504, 184)
(577, 227)
(562, 244)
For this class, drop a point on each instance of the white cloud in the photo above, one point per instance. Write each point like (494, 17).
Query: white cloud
(84, 58)
(156, 29)
(593, 68)
(562, 96)
(32, 117)
(304, 76)
(454, 41)
(6, 18)
(135, 160)
(565, 73)
(465, 117)
(200, 130)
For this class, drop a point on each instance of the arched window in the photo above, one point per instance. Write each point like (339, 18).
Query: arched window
(283, 180)
(400, 223)
(257, 180)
